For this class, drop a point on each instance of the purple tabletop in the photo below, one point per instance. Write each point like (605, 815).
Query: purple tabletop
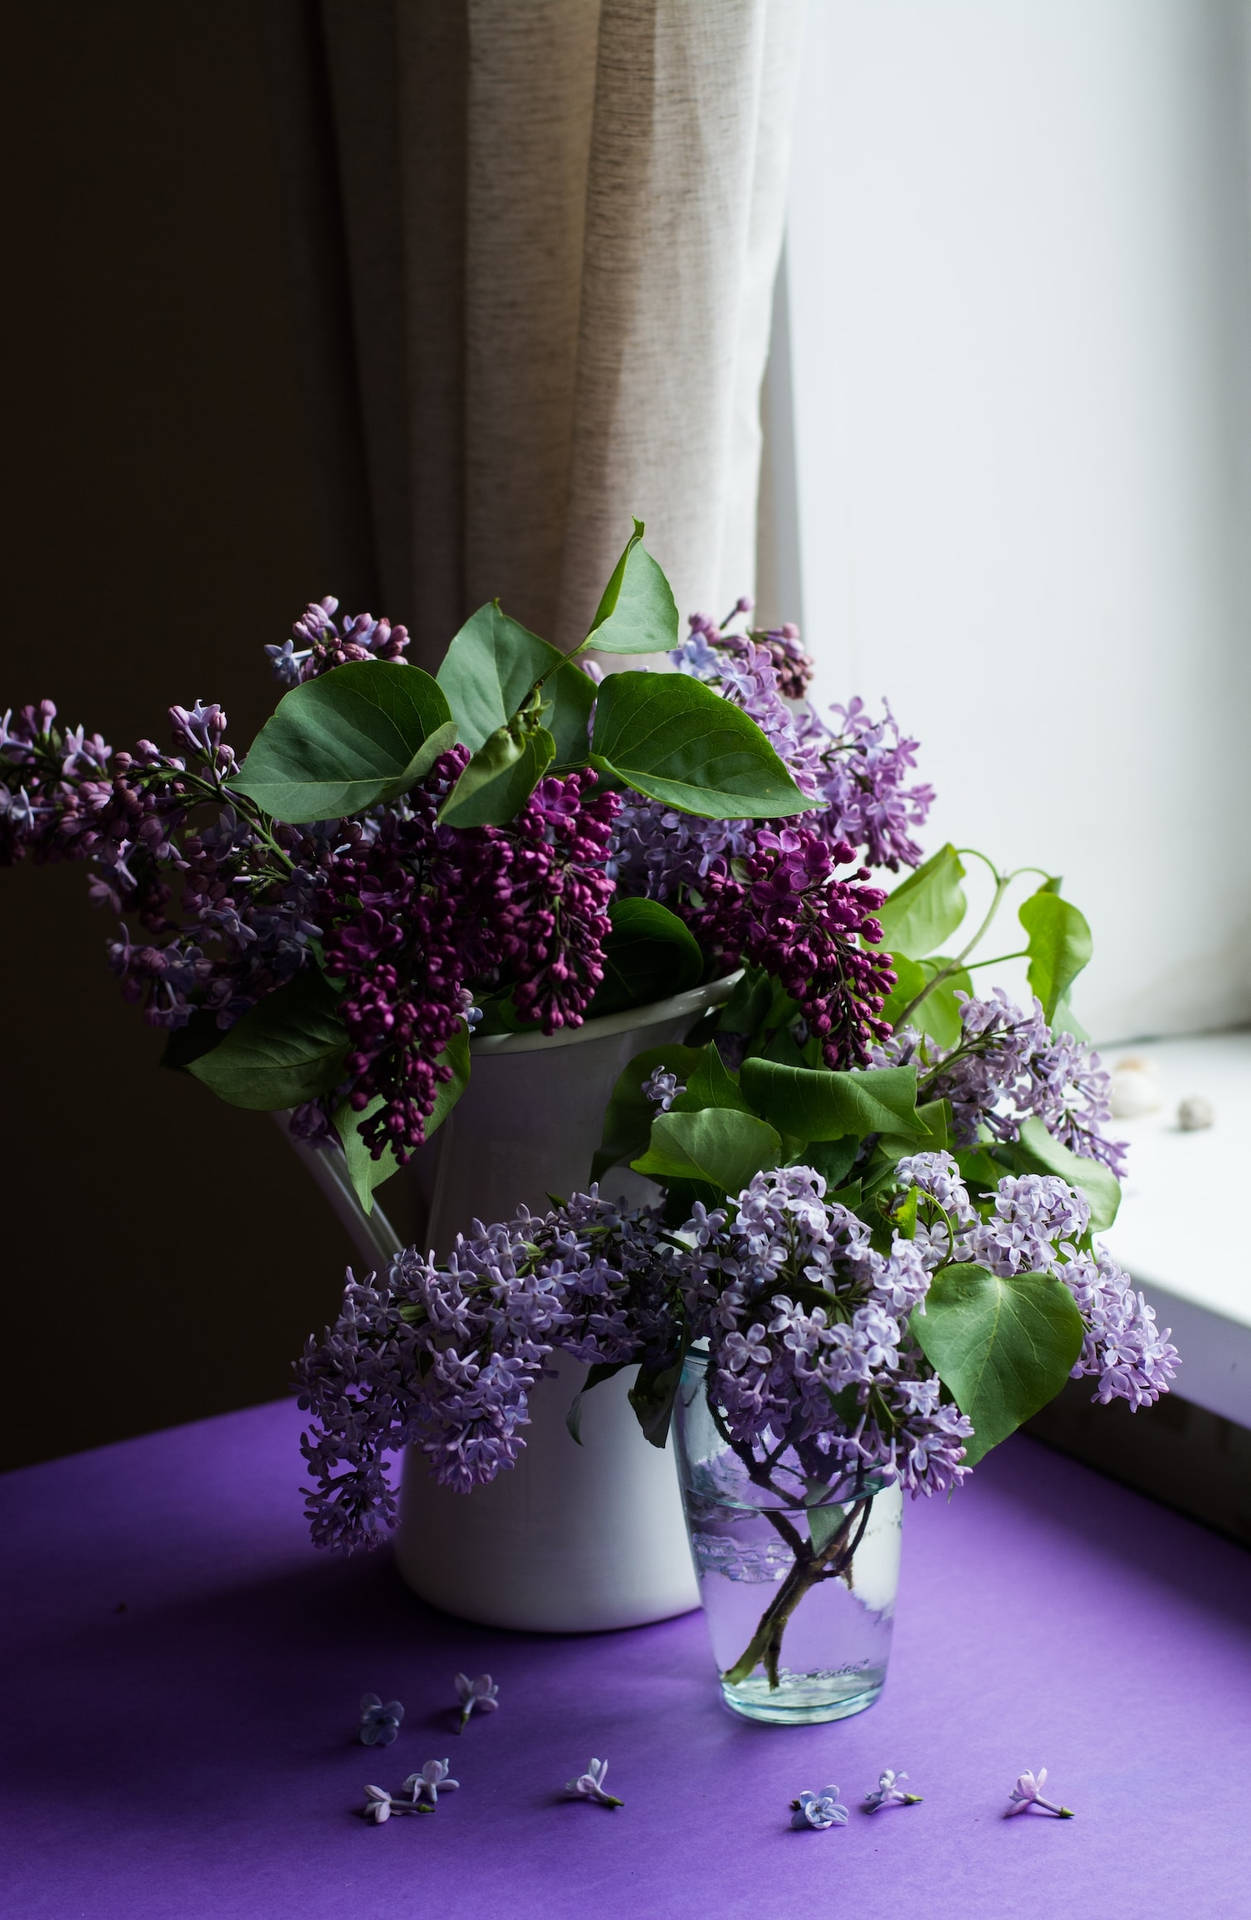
(183, 1674)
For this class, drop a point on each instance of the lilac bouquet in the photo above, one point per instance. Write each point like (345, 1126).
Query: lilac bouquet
(850, 1344)
(879, 1227)
(515, 842)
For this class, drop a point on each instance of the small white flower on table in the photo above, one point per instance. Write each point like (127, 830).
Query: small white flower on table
(482, 1694)
(1028, 1793)
(823, 1809)
(424, 1787)
(590, 1785)
(888, 1792)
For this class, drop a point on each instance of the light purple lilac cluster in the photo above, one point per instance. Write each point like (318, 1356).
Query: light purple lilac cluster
(1036, 1225)
(810, 1357)
(858, 769)
(1009, 1066)
(445, 1357)
(317, 644)
(812, 1363)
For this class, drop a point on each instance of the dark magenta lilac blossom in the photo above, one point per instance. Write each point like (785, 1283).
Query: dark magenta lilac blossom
(784, 908)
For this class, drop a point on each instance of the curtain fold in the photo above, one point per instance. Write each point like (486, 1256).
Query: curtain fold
(556, 231)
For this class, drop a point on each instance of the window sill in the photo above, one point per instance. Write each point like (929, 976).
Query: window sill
(1177, 1232)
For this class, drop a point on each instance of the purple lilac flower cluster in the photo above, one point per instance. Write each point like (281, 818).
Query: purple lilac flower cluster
(858, 769)
(791, 914)
(1035, 1225)
(221, 907)
(423, 916)
(772, 898)
(812, 1363)
(241, 924)
(445, 1357)
(317, 644)
(1009, 1066)
(800, 1311)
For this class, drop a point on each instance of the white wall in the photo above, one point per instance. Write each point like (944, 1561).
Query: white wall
(1019, 293)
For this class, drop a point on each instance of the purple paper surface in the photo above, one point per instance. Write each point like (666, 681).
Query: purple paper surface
(194, 1753)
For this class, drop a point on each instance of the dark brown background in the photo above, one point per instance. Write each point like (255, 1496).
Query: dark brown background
(164, 1256)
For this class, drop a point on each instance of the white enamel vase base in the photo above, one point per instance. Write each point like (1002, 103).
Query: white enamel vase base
(572, 1539)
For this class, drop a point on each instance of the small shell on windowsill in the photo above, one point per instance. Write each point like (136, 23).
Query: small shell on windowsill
(1195, 1113)
(1134, 1089)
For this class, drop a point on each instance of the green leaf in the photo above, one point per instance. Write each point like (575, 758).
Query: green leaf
(364, 1171)
(939, 1013)
(1037, 1151)
(979, 1170)
(649, 954)
(288, 1048)
(1059, 945)
(488, 671)
(1064, 1020)
(824, 1523)
(910, 979)
(363, 733)
(935, 1135)
(596, 1375)
(499, 779)
(832, 1159)
(904, 1216)
(718, 1146)
(570, 694)
(677, 741)
(637, 613)
(653, 1394)
(816, 1103)
(1003, 1347)
(185, 1044)
(711, 1084)
(629, 1114)
(926, 908)
(748, 1006)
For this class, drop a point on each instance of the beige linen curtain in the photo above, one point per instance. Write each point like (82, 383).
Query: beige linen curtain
(536, 243)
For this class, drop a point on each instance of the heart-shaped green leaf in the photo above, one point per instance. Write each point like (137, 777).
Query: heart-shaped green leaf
(816, 1103)
(674, 739)
(637, 612)
(570, 695)
(489, 670)
(363, 733)
(1003, 1347)
(649, 954)
(926, 908)
(499, 779)
(1060, 945)
(710, 1084)
(718, 1146)
(288, 1048)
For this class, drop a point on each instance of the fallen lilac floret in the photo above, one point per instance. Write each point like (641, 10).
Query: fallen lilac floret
(424, 1787)
(380, 1721)
(1028, 1793)
(379, 1805)
(888, 1792)
(819, 1810)
(482, 1695)
(590, 1785)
